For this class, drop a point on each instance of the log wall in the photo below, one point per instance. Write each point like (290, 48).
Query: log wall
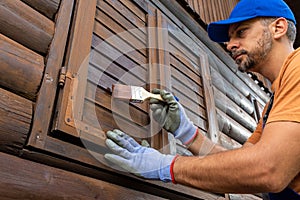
(15, 120)
(25, 37)
(48, 183)
(22, 63)
(17, 17)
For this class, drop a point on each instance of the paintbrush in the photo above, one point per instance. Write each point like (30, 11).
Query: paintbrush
(132, 93)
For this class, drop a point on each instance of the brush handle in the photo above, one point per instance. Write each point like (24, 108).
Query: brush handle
(155, 96)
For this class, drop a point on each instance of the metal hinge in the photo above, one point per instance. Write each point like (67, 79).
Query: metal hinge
(62, 76)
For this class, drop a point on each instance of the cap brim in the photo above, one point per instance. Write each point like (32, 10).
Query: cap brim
(218, 31)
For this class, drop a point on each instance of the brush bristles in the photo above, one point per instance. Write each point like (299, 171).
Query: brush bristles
(133, 93)
(121, 91)
(137, 94)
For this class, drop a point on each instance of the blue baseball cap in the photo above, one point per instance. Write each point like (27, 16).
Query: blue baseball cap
(249, 9)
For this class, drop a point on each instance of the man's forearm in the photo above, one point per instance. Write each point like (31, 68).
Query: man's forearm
(233, 171)
(202, 146)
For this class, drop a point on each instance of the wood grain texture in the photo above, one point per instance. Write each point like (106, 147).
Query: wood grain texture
(232, 128)
(25, 25)
(45, 101)
(21, 69)
(15, 120)
(47, 7)
(77, 61)
(234, 111)
(212, 10)
(48, 183)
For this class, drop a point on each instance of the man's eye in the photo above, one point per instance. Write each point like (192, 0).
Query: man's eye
(241, 32)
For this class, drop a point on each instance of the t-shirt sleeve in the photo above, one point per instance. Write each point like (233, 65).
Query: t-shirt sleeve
(286, 105)
(255, 137)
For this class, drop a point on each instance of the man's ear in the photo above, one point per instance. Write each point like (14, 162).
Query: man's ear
(279, 28)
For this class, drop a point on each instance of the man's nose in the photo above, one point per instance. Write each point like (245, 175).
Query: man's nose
(232, 44)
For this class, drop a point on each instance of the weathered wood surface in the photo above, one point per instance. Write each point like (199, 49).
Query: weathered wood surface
(228, 142)
(46, 7)
(187, 77)
(212, 10)
(25, 25)
(46, 98)
(210, 101)
(15, 119)
(18, 180)
(77, 61)
(231, 128)
(244, 197)
(231, 91)
(21, 69)
(233, 110)
(159, 77)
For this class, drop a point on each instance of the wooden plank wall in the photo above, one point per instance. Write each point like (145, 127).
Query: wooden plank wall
(212, 10)
(187, 81)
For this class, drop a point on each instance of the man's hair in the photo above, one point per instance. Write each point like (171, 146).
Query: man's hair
(291, 32)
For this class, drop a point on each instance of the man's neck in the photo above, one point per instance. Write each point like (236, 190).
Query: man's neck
(275, 61)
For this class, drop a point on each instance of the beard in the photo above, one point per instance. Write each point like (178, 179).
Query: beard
(255, 56)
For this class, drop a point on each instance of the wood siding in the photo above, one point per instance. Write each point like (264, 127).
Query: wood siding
(213, 10)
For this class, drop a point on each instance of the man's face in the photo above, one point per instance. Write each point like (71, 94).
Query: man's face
(250, 43)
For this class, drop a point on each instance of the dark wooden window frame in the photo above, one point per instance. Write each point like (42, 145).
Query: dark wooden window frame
(66, 121)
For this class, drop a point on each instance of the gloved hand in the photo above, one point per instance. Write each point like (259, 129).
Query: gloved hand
(171, 115)
(134, 158)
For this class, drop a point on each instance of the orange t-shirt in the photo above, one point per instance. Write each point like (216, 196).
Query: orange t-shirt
(286, 104)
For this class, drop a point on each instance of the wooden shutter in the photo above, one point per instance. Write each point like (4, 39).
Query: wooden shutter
(114, 50)
(149, 53)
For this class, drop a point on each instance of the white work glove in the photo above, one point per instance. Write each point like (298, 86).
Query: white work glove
(171, 116)
(139, 160)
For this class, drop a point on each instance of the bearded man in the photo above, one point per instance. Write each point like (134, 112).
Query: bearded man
(259, 34)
